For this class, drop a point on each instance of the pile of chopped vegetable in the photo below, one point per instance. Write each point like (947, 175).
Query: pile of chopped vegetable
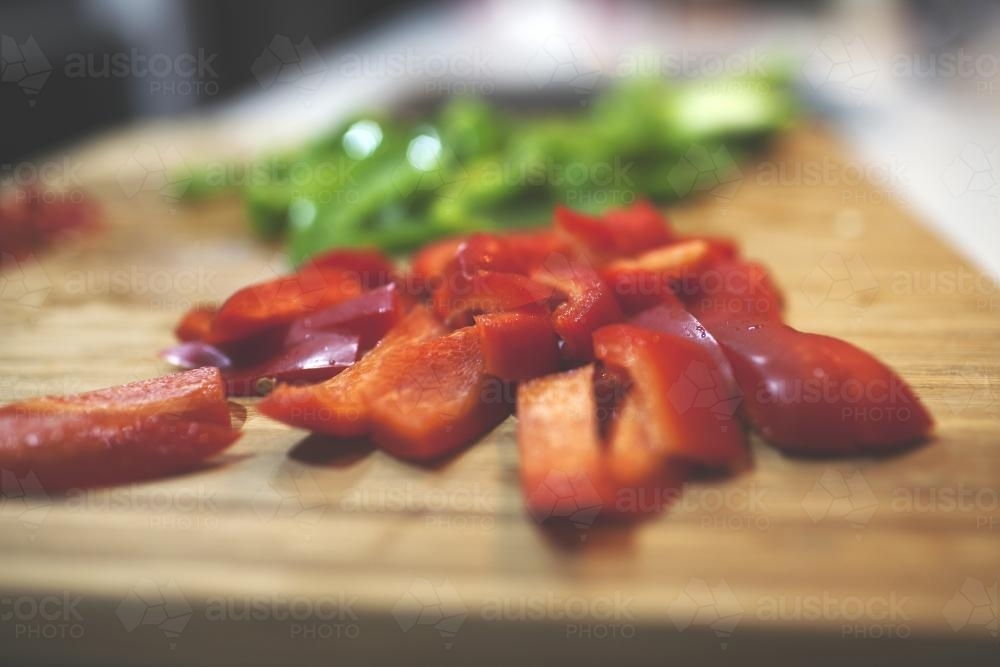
(624, 348)
(628, 352)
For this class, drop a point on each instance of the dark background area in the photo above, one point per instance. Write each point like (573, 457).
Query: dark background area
(234, 31)
(232, 34)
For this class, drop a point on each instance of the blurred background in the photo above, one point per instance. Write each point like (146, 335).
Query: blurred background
(910, 82)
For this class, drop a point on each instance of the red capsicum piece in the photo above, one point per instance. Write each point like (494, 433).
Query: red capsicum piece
(485, 275)
(815, 395)
(561, 454)
(197, 395)
(196, 324)
(316, 359)
(487, 292)
(315, 348)
(735, 289)
(368, 316)
(366, 266)
(619, 233)
(341, 406)
(588, 305)
(569, 469)
(487, 252)
(684, 398)
(536, 247)
(518, 344)
(652, 277)
(274, 304)
(122, 434)
(720, 248)
(430, 266)
(80, 451)
(441, 400)
(674, 320)
(322, 281)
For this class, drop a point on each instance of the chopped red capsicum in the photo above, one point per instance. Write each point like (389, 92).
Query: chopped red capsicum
(196, 324)
(652, 277)
(685, 399)
(487, 292)
(368, 267)
(278, 302)
(429, 266)
(341, 406)
(316, 359)
(197, 395)
(619, 233)
(816, 395)
(322, 281)
(441, 399)
(735, 289)
(568, 470)
(136, 431)
(536, 247)
(588, 306)
(674, 320)
(368, 316)
(518, 344)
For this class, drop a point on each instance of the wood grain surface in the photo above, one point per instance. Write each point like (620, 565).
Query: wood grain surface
(798, 559)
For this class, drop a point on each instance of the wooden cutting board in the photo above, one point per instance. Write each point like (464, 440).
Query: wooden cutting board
(800, 558)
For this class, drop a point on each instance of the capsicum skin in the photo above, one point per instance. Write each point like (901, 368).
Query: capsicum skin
(682, 393)
(569, 470)
(732, 289)
(809, 394)
(585, 305)
(310, 361)
(196, 394)
(653, 277)
(441, 400)
(341, 406)
(122, 434)
(325, 280)
(518, 344)
(368, 316)
(487, 292)
(618, 233)
(276, 303)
